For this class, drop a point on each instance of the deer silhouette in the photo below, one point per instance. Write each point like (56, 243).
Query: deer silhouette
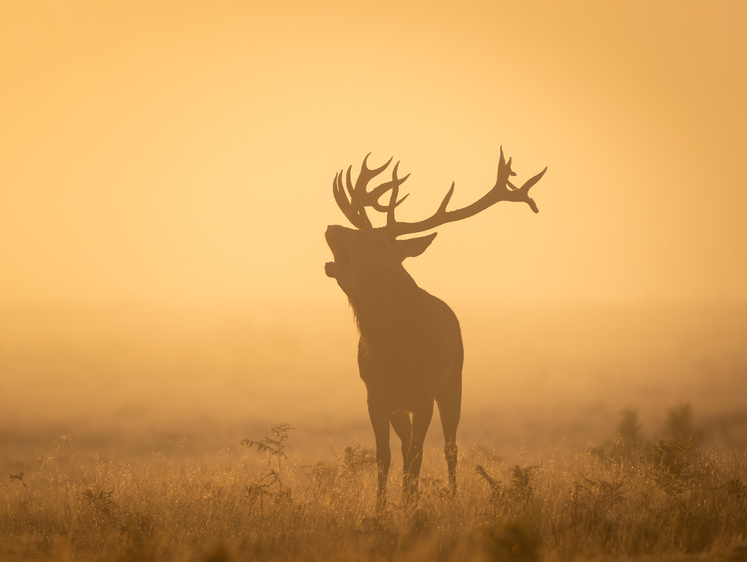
(410, 351)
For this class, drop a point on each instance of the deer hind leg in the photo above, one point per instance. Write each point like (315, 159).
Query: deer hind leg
(449, 400)
(380, 423)
(403, 428)
(421, 420)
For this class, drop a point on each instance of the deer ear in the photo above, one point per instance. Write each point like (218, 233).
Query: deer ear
(413, 247)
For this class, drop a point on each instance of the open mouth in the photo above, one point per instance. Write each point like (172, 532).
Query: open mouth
(339, 251)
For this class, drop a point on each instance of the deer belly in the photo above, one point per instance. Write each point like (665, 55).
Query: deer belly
(401, 390)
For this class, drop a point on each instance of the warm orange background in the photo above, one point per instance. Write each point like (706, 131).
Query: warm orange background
(183, 152)
(166, 171)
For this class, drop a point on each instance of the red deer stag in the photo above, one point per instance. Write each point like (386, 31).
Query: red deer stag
(410, 349)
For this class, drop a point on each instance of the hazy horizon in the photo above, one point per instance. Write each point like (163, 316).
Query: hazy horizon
(138, 377)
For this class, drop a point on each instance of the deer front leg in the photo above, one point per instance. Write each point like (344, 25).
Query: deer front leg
(380, 422)
(421, 420)
(403, 428)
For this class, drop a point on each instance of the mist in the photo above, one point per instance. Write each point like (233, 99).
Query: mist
(136, 378)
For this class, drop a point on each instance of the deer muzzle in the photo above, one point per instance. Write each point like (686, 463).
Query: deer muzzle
(335, 240)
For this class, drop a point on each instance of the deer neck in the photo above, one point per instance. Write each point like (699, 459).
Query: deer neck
(389, 309)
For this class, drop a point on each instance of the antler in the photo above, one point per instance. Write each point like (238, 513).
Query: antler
(503, 190)
(355, 208)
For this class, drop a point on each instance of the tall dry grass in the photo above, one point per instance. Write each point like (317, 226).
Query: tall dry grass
(671, 499)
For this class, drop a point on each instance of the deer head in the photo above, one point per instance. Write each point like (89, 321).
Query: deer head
(371, 253)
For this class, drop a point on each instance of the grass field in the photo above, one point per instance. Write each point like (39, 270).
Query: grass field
(576, 444)
(672, 500)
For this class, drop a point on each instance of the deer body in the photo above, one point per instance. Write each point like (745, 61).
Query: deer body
(410, 352)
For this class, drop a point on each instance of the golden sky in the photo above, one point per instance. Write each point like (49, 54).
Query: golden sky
(183, 152)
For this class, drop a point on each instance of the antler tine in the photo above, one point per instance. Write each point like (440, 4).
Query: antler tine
(521, 193)
(368, 174)
(393, 203)
(359, 197)
(442, 207)
(390, 221)
(354, 208)
(503, 190)
(356, 218)
(373, 196)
